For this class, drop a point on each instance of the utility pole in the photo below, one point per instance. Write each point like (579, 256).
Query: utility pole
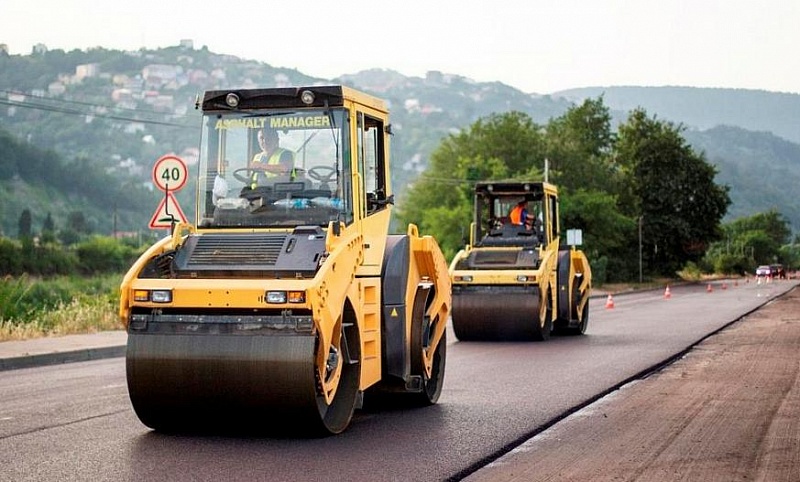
(640, 248)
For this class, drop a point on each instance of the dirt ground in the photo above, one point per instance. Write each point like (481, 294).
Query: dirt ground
(727, 411)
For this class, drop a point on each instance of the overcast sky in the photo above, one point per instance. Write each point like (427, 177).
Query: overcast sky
(536, 46)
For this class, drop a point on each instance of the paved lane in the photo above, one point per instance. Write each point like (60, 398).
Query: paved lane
(74, 422)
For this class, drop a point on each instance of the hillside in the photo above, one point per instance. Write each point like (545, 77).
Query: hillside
(760, 168)
(117, 112)
(704, 108)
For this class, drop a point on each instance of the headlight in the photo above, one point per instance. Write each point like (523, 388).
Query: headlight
(161, 296)
(280, 297)
(232, 100)
(466, 278)
(156, 296)
(307, 97)
(276, 297)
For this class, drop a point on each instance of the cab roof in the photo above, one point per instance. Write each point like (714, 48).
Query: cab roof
(288, 98)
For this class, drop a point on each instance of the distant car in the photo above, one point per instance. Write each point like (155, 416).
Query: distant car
(778, 271)
(764, 271)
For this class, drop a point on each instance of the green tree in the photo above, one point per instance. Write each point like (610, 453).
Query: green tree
(578, 147)
(48, 224)
(500, 146)
(25, 224)
(672, 189)
(77, 222)
(606, 232)
(48, 230)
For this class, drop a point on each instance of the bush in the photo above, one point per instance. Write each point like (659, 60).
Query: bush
(599, 270)
(690, 272)
(13, 295)
(10, 257)
(100, 254)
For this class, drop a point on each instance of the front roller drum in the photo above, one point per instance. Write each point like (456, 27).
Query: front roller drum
(497, 313)
(234, 382)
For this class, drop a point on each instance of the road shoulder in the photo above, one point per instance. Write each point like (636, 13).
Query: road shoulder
(725, 411)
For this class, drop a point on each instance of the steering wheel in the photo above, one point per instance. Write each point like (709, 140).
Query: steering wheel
(245, 174)
(321, 174)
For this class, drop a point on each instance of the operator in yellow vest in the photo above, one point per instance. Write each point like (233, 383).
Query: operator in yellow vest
(275, 163)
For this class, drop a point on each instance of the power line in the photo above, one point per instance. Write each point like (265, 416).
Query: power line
(77, 102)
(74, 111)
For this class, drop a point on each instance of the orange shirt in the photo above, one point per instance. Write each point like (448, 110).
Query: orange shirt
(517, 215)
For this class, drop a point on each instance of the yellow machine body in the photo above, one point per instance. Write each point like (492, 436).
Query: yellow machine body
(287, 301)
(513, 281)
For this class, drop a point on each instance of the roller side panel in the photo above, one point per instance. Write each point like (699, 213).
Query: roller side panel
(394, 276)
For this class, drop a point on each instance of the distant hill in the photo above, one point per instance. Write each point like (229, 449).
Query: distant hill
(761, 169)
(704, 108)
(117, 112)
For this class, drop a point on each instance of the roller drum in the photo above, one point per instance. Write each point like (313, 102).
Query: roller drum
(495, 313)
(212, 381)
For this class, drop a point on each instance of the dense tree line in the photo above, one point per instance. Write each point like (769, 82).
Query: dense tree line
(611, 184)
(763, 238)
(90, 256)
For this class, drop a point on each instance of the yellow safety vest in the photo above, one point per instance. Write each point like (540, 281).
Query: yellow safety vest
(273, 160)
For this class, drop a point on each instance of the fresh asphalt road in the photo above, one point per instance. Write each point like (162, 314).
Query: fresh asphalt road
(75, 422)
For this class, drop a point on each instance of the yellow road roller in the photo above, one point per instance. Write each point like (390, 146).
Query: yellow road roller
(286, 301)
(513, 280)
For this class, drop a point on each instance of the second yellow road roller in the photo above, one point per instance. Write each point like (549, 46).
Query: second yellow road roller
(513, 280)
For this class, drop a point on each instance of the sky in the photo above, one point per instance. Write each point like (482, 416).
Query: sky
(536, 46)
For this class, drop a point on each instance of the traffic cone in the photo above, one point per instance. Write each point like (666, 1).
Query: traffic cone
(610, 302)
(709, 288)
(667, 294)
(724, 285)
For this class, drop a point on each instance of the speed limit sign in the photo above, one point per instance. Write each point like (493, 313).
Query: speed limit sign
(170, 173)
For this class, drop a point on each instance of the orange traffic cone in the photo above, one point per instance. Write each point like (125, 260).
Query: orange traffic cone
(709, 288)
(667, 294)
(610, 302)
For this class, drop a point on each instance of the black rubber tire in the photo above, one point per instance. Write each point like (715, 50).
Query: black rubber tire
(336, 416)
(543, 323)
(431, 386)
(576, 297)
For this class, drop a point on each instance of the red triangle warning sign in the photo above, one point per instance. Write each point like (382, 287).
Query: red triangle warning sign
(162, 219)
